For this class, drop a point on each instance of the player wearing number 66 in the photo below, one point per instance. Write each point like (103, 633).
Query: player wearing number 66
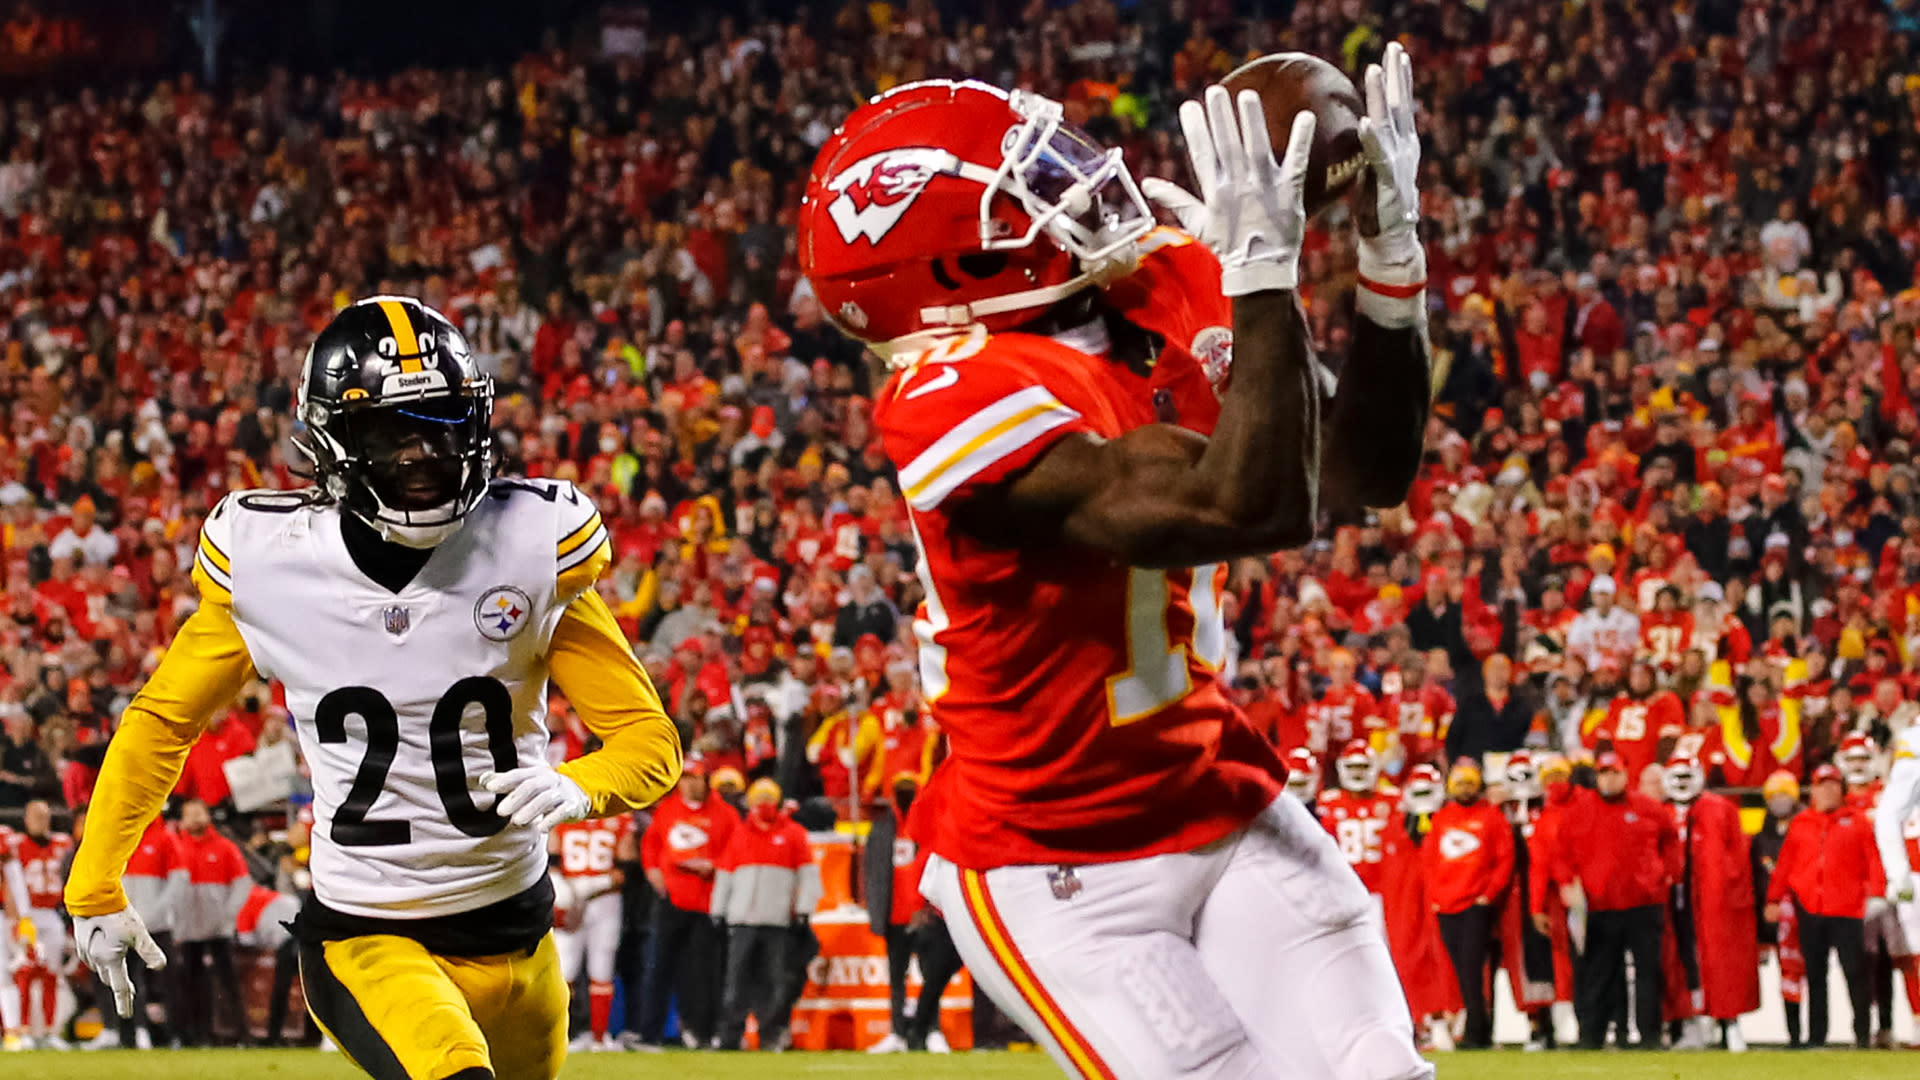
(1092, 417)
(414, 608)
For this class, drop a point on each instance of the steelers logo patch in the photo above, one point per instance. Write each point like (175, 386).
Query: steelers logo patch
(502, 612)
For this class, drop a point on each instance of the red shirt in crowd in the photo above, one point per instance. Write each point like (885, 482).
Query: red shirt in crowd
(204, 776)
(681, 834)
(1633, 726)
(1468, 856)
(1624, 852)
(1828, 863)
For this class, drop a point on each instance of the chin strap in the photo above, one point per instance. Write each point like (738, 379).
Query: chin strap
(957, 315)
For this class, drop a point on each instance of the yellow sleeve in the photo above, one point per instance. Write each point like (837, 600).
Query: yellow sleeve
(639, 757)
(203, 670)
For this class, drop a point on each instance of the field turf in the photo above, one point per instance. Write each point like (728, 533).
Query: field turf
(1500, 1065)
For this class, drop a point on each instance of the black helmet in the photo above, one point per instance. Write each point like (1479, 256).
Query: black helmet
(396, 416)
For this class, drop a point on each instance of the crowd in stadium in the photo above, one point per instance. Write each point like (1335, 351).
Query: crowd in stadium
(1667, 537)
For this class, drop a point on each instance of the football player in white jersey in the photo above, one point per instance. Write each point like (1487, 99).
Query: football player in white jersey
(414, 607)
(1899, 802)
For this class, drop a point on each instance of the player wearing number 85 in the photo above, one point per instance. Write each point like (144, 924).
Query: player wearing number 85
(414, 608)
(1091, 416)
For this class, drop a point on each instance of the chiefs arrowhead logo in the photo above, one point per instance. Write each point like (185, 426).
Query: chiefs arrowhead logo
(875, 192)
(1458, 843)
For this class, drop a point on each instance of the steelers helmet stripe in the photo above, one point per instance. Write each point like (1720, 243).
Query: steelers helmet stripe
(406, 342)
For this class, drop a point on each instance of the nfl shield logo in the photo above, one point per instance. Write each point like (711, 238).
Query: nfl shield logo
(397, 620)
(1065, 883)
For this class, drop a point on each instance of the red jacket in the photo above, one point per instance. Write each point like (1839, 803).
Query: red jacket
(1468, 856)
(680, 833)
(1828, 863)
(1719, 882)
(1624, 852)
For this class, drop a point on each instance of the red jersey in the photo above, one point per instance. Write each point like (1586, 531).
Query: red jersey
(1632, 728)
(40, 862)
(1421, 718)
(1340, 714)
(587, 847)
(1666, 636)
(1081, 701)
(1175, 294)
(1358, 822)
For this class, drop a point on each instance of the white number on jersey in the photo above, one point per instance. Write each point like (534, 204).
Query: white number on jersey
(1359, 839)
(1156, 674)
(587, 851)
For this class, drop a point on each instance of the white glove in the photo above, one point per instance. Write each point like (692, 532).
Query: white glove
(540, 797)
(1877, 906)
(1394, 257)
(103, 942)
(1900, 889)
(1250, 210)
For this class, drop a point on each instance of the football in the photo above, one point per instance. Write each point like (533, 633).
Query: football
(1291, 81)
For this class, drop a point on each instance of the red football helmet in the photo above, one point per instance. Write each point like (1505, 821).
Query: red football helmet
(1303, 774)
(939, 205)
(1855, 759)
(1683, 780)
(1356, 768)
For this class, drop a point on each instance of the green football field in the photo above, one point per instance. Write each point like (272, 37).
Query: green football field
(1503, 1065)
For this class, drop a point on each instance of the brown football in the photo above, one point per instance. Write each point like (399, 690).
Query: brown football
(1290, 81)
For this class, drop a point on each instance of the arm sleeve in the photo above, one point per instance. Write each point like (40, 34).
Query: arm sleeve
(1896, 804)
(639, 756)
(807, 896)
(722, 888)
(1502, 864)
(203, 669)
(13, 881)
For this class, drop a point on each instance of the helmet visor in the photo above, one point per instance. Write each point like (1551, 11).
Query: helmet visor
(414, 454)
(1077, 191)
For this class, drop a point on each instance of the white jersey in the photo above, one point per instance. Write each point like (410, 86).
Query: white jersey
(1899, 799)
(403, 699)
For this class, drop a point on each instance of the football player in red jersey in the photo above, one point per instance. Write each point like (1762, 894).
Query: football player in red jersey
(41, 854)
(1357, 813)
(1108, 842)
(1303, 778)
(587, 928)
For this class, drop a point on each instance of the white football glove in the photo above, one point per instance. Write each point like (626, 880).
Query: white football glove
(1250, 209)
(1900, 889)
(1394, 257)
(540, 797)
(103, 942)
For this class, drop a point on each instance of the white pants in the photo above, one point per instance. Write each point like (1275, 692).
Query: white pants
(595, 940)
(52, 937)
(1257, 957)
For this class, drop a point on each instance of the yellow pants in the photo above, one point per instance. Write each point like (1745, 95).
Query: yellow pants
(402, 1013)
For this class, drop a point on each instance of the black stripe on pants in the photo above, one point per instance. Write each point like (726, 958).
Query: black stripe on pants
(1468, 936)
(334, 1006)
(1600, 985)
(1819, 933)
